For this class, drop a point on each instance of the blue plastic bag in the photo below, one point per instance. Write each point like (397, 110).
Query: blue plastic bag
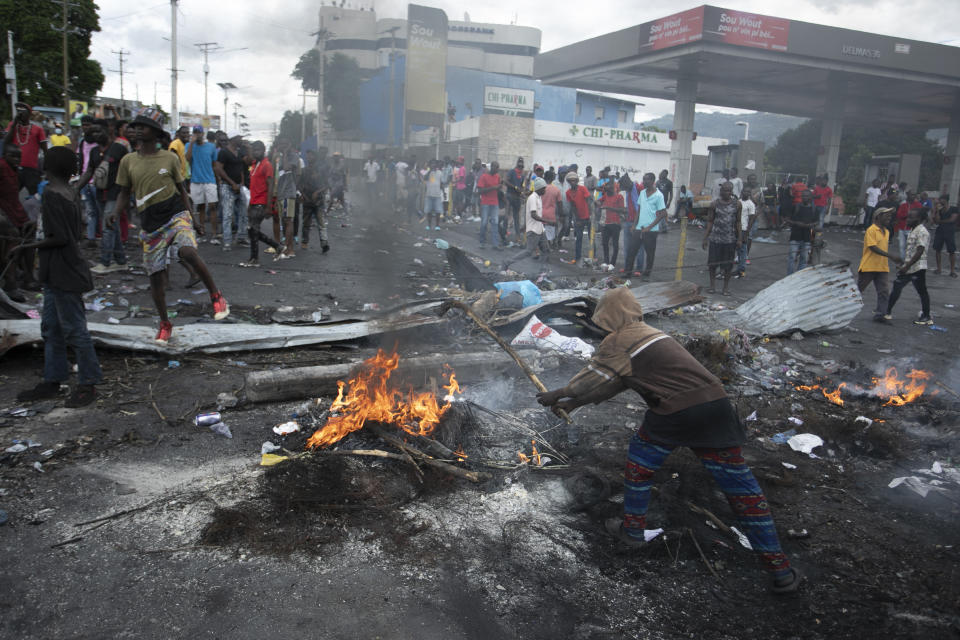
(529, 291)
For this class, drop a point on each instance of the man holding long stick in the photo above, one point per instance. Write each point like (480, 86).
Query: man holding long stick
(688, 406)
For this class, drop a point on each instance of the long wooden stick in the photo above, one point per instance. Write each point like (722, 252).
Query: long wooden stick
(472, 476)
(503, 345)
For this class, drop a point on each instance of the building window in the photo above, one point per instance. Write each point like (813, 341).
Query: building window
(598, 113)
(578, 110)
(622, 116)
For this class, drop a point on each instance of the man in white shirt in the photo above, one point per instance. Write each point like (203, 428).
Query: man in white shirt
(536, 232)
(748, 221)
(372, 169)
(401, 173)
(870, 203)
(736, 182)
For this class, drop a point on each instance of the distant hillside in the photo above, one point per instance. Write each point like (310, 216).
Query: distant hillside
(763, 126)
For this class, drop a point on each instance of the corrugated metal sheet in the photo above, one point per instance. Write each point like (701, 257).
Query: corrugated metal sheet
(819, 298)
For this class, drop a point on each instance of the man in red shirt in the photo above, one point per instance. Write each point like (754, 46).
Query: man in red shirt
(13, 219)
(822, 197)
(261, 194)
(488, 184)
(30, 139)
(580, 197)
(900, 223)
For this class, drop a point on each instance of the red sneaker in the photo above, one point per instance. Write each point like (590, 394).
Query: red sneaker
(163, 335)
(220, 307)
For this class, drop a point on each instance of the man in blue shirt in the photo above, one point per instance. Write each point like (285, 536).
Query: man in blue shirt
(203, 183)
(651, 211)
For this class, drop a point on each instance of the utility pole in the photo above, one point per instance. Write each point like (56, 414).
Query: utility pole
(123, 102)
(174, 114)
(322, 36)
(66, 75)
(206, 47)
(393, 53)
(227, 87)
(303, 118)
(10, 73)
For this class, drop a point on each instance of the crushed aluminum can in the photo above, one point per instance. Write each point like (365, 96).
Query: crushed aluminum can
(207, 419)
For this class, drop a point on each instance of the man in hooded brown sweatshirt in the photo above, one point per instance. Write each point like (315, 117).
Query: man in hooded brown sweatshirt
(688, 406)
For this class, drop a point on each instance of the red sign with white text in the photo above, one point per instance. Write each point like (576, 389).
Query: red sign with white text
(750, 30)
(671, 31)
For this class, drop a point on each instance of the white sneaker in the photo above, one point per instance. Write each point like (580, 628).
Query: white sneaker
(101, 269)
(214, 241)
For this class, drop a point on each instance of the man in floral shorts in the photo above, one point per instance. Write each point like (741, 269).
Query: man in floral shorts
(166, 215)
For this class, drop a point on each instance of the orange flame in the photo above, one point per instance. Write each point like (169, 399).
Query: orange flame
(896, 390)
(371, 398)
(461, 454)
(534, 455)
(901, 391)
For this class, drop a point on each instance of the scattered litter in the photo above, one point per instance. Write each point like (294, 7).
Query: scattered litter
(184, 301)
(207, 419)
(802, 533)
(17, 448)
(112, 320)
(936, 327)
(537, 334)
(744, 542)
(782, 438)
(33, 314)
(796, 421)
(38, 467)
(650, 534)
(371, 306)
(915, 484)
(796, 335)
(221, 429)
(123, 302)
(418, 262)
(936, 468)
(226, 400)
(418, 244)
(752, 416)
(22, 412)
(884, 350)
(529, 291)
(197, 292)
(864, 419)
(173, 364)
(270, 459)
(441, 243)
(788, 465)
(950, 306)
(805, 442)
(269, 447)
(286, 428)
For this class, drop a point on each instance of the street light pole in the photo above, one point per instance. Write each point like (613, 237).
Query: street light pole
(226, 86)
(206, 48)
(746, 129)
(174, 114)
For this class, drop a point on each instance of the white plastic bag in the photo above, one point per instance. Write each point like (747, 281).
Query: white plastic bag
(537, 334)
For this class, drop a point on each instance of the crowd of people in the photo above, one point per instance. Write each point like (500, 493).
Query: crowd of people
(191, 186)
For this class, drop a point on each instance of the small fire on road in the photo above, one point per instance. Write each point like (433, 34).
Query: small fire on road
(891, 387)
(369, 396)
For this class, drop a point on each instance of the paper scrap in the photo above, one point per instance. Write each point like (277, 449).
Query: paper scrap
(805, 442)
(286, 428)
(744, 542)
(650, 534)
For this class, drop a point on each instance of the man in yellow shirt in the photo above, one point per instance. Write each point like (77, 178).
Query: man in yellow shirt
(179, 147)
(873, 265)
(58, 139)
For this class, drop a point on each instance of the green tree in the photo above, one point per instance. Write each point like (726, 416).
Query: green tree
(796, 151)
(39, 50)
(290, 125)
(341, 85)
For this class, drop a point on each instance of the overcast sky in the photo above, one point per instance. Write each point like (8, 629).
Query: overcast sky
(276, 34)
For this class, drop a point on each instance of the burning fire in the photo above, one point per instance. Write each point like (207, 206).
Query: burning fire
(368, 396)
(534, 455)
(900, 391)
(461, 454)
(895, 390)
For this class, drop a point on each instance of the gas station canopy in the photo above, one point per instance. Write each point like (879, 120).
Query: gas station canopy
(750, 61)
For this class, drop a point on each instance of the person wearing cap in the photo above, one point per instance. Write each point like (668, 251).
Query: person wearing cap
(873, 263)
(536, 238)
(31, 139)
(687, 407)
(203, 181)
(167, 219)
